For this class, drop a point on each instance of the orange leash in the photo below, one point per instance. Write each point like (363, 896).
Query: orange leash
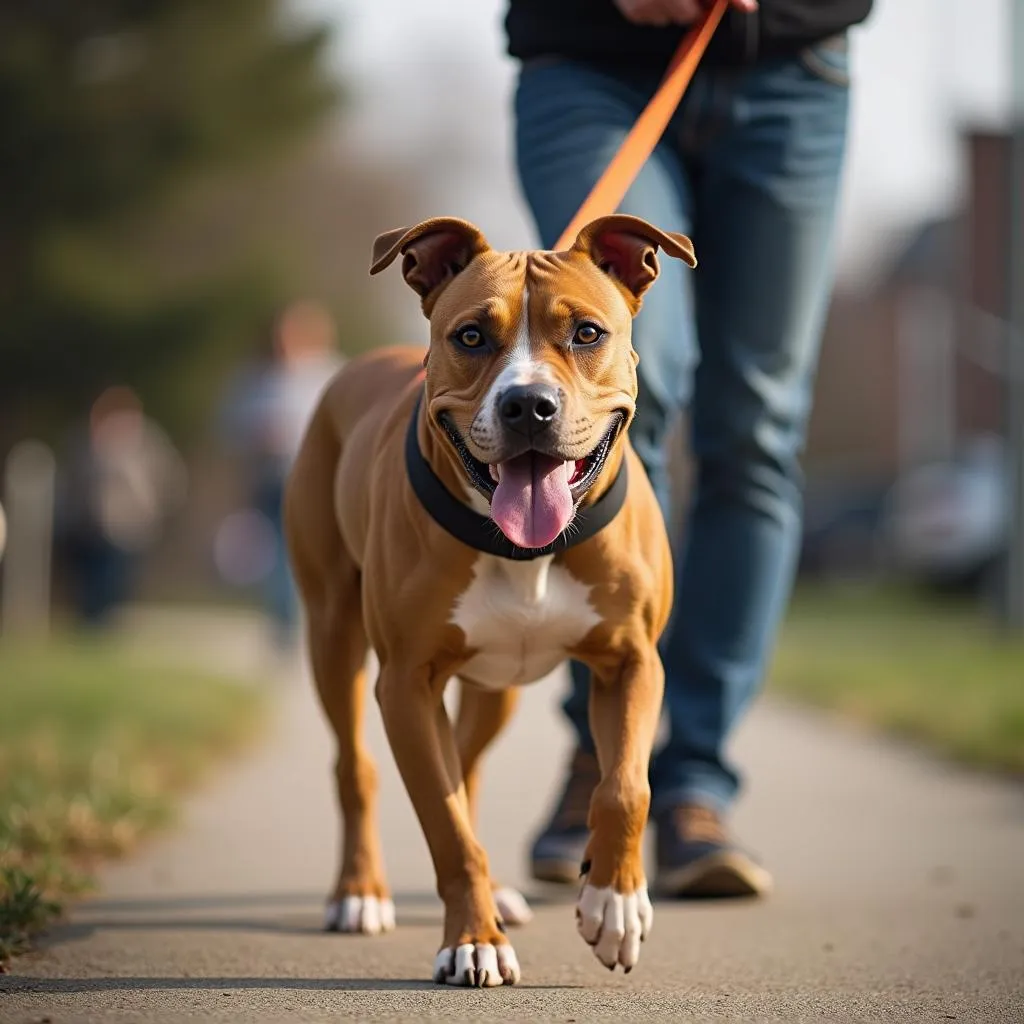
(639, 144)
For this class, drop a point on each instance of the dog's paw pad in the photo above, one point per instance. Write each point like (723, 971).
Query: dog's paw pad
(360, 915)
(512, 906)
(614, 924)
(478, 965)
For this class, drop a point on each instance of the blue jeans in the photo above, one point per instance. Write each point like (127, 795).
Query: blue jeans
(281, 597)
(104, 577)
(750, 169)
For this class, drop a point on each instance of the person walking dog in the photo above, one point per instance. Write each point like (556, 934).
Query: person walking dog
(750, 169)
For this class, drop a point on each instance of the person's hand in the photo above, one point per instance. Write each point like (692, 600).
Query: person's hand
(673, 12)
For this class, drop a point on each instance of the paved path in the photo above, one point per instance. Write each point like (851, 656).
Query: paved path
(900, 896)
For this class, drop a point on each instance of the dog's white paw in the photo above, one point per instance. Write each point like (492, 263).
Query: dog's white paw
(512, 906)
(614, 924)
(477, 966)
(362, 915)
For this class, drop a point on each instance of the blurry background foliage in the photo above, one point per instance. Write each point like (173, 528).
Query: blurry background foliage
(147, 161)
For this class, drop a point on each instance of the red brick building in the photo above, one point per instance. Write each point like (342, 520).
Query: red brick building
(913, 365)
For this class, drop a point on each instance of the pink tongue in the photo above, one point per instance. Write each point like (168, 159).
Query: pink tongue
(532, 503)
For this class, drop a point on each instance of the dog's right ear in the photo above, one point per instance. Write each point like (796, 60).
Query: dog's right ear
(433, 252)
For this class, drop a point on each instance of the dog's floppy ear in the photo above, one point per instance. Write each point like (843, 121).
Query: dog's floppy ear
(626, 247)
(433, 252)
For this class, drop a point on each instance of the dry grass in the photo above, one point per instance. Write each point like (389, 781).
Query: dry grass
(95, 744)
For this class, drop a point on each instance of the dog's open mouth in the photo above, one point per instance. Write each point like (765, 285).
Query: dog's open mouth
(533, 495)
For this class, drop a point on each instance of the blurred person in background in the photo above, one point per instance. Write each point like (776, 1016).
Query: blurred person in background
(121, 481)
(264, 417)
(750, 169)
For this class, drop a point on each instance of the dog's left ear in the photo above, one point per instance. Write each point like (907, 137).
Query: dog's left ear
(433, 252)
(626, 247)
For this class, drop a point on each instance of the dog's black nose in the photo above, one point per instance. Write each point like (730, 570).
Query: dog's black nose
(529, 408)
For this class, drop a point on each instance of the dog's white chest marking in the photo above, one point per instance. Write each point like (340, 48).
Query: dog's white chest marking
(521, 618)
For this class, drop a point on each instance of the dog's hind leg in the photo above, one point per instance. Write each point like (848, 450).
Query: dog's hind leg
(329, 582)
(360, 900)
(482, 714)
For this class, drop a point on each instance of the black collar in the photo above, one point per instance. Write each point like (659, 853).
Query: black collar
(480, 532)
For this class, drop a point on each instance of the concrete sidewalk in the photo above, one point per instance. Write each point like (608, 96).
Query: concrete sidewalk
(900, 896)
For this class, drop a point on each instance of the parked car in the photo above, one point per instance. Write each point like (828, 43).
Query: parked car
(947, 523)
(842, 530)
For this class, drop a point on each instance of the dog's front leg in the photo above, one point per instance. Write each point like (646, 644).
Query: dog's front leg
(474, 951)
(614, 914)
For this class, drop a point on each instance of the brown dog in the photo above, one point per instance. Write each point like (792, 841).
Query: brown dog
(487, 520)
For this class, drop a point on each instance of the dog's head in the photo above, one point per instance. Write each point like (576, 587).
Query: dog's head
(531, 371)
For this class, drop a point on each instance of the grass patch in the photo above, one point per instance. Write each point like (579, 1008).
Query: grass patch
(95, 743)
(24, 912)
(934, 670)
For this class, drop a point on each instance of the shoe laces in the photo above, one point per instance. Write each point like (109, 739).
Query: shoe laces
(574, 805)
(699, 824)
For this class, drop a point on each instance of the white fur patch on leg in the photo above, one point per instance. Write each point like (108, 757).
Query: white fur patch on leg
(614, 924)
(512, 906)
(360, 915)
(479, 965)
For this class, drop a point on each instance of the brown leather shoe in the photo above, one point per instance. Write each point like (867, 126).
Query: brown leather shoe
(697, 860)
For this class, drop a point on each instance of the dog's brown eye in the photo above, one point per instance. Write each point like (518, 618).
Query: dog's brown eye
(469, 337)
(587, 334)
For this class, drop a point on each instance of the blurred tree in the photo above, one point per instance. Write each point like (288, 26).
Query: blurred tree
(110, 110)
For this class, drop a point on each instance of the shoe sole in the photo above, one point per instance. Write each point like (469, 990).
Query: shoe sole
(558, 872)
(716, 876)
